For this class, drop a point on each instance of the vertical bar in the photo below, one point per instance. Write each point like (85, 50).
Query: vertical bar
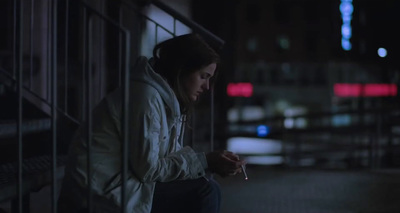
(88, 67)
(66, 56)
(138, 43)
(84, 45)
(193, 120)
(174, 26)
(156, 34)
(120, 81)
(15, 23)
(390, 148)
(283, 138)
(89, 107)
(378, 137)
(53, 39)
(125, 121)
(18, 16)
(212, 119)
(371, 151)
(212, 122)
(48, 74)
(120, 47)
(101, 56)
(31, 43)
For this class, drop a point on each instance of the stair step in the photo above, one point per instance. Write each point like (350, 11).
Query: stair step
(30, 166)
(9, 128)
(36, 173)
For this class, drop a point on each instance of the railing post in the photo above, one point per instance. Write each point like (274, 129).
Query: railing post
(18, 70)
(54, 103)
(125, 120)
(66, 62)
(87, 44)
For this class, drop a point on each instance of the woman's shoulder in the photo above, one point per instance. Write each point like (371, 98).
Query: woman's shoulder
(140, 94)
(143, 90)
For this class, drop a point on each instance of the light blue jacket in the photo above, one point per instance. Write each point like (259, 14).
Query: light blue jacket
(155, 148)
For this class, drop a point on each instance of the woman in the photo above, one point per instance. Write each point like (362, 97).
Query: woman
(163, 176)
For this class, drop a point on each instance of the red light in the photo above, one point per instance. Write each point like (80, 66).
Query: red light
(347, 90)
(365, 90)
(240, 89)
(380, 90)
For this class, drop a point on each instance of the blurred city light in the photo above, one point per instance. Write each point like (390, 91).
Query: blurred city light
(245, 145)
(284, 42)
(258, 151)
(346, 9)
(347, 90)
(246, 113)
(240, 89)
(365, 90)
(264, 160)
(380, 90)
(382, 52)
(297, 123)
(341, 120)
(262, 131)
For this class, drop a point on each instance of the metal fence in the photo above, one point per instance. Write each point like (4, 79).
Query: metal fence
(63, 57)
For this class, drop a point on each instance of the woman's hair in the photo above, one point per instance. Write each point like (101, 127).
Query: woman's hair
(175, 59)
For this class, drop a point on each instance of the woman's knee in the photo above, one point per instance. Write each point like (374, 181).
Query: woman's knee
(210, 197)
(216, 188)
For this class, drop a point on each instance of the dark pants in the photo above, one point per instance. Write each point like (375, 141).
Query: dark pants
(187, 196)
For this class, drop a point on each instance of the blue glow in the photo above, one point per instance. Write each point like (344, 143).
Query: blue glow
(347, 19)
(346, 31)
(341, 120)
(262, 131)
(346, 45)
(382, 52)
(346, 8)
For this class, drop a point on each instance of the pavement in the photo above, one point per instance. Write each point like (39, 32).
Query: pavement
(306, 190)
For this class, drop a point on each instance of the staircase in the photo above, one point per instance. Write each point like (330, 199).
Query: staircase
(60, 59)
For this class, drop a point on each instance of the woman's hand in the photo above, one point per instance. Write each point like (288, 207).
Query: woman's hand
(224, 163)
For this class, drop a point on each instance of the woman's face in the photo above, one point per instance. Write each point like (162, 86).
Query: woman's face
(199, 81)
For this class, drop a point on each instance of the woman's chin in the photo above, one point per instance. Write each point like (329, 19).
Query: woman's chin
(194, 98)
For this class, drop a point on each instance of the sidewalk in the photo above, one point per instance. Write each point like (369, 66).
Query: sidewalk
(273, 190)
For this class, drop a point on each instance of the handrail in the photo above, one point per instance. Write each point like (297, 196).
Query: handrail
(212, 38)
(26, 90)
(133, 7)
(196, 27)
(104, 17)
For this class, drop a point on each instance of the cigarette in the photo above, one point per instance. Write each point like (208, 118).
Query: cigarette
(244, 172)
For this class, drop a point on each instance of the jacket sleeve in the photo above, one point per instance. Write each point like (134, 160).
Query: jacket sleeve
(146, 161)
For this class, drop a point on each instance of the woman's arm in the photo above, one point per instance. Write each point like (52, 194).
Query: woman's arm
(147, 161)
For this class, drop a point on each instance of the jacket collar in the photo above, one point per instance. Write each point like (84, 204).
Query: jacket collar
(144, 72)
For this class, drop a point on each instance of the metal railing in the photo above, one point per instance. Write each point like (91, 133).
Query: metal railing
(64, 53)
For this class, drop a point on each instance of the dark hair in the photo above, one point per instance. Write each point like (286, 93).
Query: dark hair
(178, 57)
